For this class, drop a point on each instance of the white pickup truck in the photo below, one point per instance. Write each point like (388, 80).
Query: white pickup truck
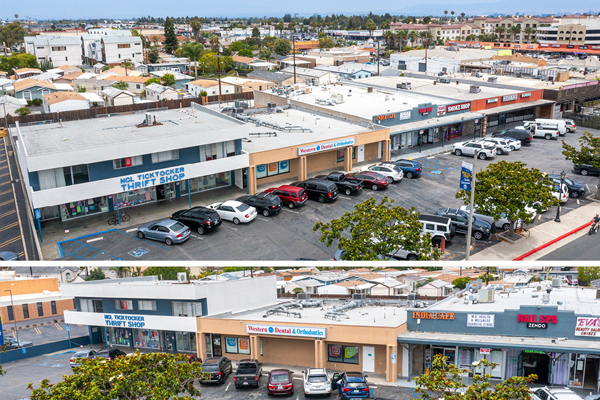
(540, 131)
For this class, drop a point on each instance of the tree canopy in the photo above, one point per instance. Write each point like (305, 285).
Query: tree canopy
(171, 42)
(588, 153)
(461, 282)
(168, 79)
(167, 273)
(8, 63)
(136, 377)
(12, 34)
(95, 275)
(375, 230)
(509, 189)
(587, 274)
(282, 47)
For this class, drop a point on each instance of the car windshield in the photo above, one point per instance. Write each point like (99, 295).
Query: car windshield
(380, 177)
(279, 378)
(210, 367)
(569, 182)
(317, 379)
(176, 227)
(80, 354)
(246, 368)
(355, 384)
(243, 207)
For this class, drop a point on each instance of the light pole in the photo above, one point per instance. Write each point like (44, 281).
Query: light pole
(471, 206)
(14, 318)
(563, 175)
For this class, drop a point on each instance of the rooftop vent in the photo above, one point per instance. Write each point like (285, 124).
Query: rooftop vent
(474, 89)
(546, 298)
(404, 86)
(181, 277)
(303, 296)
(359, 296)
(492, 79)
(556, 282)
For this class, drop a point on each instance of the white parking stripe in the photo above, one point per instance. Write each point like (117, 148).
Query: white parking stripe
(295, 212)
(344, 197)
(95, 239)
(197, 237)
(264, 219)
(233, 229)
(588, 188)
(130, 230)
(227, 388)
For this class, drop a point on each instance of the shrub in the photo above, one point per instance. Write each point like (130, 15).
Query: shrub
(203, 93)
(22, 111)
(55, 321)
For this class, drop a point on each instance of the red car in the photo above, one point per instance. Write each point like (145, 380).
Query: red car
(291, 196)
(370, 179)
(280, 382)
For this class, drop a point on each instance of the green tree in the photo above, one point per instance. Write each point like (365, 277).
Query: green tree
(95, 275)
(529, 33)
(193, 51)
(461, 283)
(282, 47)
(287, 18)
(256, 35)
(9, 63)
(515, 30)
(508, 189)
(168, 80)
(374, 230)
(500, 31)
(23, 111)
(12, 34)
(298, 290)
(122, 272)
(152, 80)
(326, 43)
(171, 42)
(121, 85)
(167, 273)
(196, 26)
(587, 274)
(81, 89)
(141, 376)
(245, 53)
(588, 153)
(237, 46)
(402, 37)
(153, 55)
(280, 26)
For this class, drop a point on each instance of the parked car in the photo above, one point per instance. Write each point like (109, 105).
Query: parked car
(280, 382)
(345, 185)
(234, 211)
(291, 196)
(248, 373)
(390, 171)
(321, 190)
(502, 146)
(575, 189)
(521, 134)
(8, 256)
(352, 385)
(218, 367)
(165, 230)
(460, 220)
(553, 393)
(370, 179)
(514, 144)
(570, 125)
(542, 131)
(12, 343)
(472, 148)
(317, 382)
(410, 168)
(438, 227)
(502, 223)
(265, 203)
(586, 169)
(78, 357)
(109, 354)
(200, 219)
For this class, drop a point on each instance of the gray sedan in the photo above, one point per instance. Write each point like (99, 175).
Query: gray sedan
(166, 230)
(12, 343)
(78, 357)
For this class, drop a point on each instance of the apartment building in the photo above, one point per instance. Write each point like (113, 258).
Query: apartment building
(571, 31)
(60, 49)
(118, 49)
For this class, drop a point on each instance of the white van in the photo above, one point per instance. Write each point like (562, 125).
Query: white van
(555, 124)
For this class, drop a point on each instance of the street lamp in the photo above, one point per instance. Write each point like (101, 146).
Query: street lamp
(563, 175)
(14, 319)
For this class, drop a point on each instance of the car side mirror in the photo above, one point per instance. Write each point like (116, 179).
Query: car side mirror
(366, 376)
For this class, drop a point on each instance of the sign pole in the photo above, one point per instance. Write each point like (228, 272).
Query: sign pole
(118, 212)
(469, 230)
(150, 340)
(38, 215)
(69, 335)
(189, 194)
(105, 338)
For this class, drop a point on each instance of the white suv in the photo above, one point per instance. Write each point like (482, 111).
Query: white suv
(502, 145)
(390, 171)
(471, 148)
(316, 381)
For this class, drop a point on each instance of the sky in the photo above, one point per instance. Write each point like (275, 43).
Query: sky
(119, 9)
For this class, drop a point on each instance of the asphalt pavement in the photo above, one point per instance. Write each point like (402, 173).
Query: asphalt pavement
(584, 248)
(44, 331)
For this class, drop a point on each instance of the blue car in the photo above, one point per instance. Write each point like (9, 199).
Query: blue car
(412, 169)
(352, 385)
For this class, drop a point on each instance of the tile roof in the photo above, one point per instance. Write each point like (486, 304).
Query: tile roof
(72, 75)
(58, 97)
(114, 92)
(155, 87)
(242, 59)
(206, 83)
(29, 82)
(65, 67)
(351, 283)
(23, 70)
(121, 78)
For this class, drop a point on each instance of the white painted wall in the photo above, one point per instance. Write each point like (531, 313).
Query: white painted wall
(122, 99)
(195, 90)
(67, 105)
(333, 289)
(179, 324)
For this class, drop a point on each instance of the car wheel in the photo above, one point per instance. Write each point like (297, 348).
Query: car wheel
(200, 230)
(374, 187)
(436, 241)
(141, 235)
(584, 172)
(548, 136)
(236, 221)
(458, 152)
(574, 194)
(512, 148)
(390, 180)
(291, 205)
(412, 257)
(506, 226)
(500, 151)
(478, 235)
(266, 213)
(482, 156)
(348, 192)
(321, 199)
(169, 241)
(409, 175)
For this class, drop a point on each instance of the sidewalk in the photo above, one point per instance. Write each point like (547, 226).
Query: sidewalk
(540, 235)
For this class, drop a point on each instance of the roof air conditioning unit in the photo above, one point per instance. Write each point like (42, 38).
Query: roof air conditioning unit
(303, 296)
(474, 89)
(486, 295)
(412, 299)
(148, 119)
(546, 298)
(181, 277)
(492, 79)
(556, 282)
(369, 89)
(359, 296)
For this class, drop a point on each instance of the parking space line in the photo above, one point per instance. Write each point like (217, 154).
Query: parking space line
(7, 202)
(5, 183)
(59, 327)
(295, 212)
(227, 388)
(9, 226)
(264, 219)
(3, 175)
(10, 241)
(95, 239)
(233, 229)
(197, 237)
(37, 330)
(145, 240)
(6, 192)
(345, 198)
(8, 213)
(131, 230)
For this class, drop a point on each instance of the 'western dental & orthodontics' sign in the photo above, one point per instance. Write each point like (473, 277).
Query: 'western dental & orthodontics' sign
(280, 330)
(325, 146)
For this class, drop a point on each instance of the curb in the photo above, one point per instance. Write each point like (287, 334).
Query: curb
(521, 257)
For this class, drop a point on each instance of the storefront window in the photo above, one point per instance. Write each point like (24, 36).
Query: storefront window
(271, 169)
(186, 309)
(135, 197)
(124, 304)
(145, 337)
(186, 341)
(118, 336)
(82, 208)
(237, 345)
(342, 354)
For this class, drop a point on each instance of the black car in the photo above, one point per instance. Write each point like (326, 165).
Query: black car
(200, 219)
(586, 169)
(109, 354)
(460, 220)
(575, 189)
(321, 190)
(265, 203)
(520, 134)
(219, 369)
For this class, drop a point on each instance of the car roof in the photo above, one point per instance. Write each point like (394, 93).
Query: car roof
(232, 203)
(280, 372)
(288, 187)
(212, 360)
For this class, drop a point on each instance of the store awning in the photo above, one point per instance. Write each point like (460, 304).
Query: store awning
(516, 106)
(443, 120)
(556, 345)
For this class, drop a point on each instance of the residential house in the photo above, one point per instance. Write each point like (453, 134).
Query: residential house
(436, 288)
(92, 45)
(68, 69)
(242, 62)
(23, 73)
(89, 82)
(181, 65)
(347, 71)
(64, 101)
(291, 61)
(9, 105)
(60, 49)
(209, 86)
(180, 79)
(93, 99)
(309, 285)
(68, 78)
(135, 84)
(29, 89)
(263, 65)
(411, 281)
(346, 288)
(243, 85)
(117, 49)
(387, 287)
(156, 92)
(118, 70)
(117, 97)
(313, 77)
(278, 78)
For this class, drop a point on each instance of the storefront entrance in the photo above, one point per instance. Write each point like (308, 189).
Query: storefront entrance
(214, 347)
(538, 364)
(585, 371)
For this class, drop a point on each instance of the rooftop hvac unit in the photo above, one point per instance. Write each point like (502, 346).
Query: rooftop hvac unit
(359, 296)
(546, 298)
(148, 119)
(474, 89)
(339, 98)
(303, 296)
(492, 79)
(556, 282)
(369, 89)
(238, 110)
(404, 86)
(486, 295)
(181, 277)
(412, 299)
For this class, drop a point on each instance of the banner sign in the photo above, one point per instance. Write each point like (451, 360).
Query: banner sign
(124, 321)
(1, 332)
(465, 176)
(149, 179)
(325, 146)
(587, 326)
(280, 330)
(480, 320)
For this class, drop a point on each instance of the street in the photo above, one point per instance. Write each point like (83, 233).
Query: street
(584, 248)
(289, 235)
(47, 330)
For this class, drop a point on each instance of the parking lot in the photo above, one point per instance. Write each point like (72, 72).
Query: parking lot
(289, 235)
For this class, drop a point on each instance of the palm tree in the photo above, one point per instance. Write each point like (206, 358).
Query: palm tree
(462, 16)
(196, 25)
(412, 35)
(425, 37)
(402, 35)
(193, 51)
(500, 31)
(446, 14)
(389, 37)
(515, 30)
(452, 12)
(529, 31)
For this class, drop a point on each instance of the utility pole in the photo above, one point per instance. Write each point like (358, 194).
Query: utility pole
(377, 57)
(294, 55)
(219, 67)
(14, 317)
(470, 229)
(426, 46)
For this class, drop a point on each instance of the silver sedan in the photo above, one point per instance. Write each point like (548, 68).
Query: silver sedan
(166, 230)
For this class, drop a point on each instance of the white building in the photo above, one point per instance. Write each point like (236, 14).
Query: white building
(92, 44)
(117, 49)
(117, 97)
(210, 87)
(312, 76)
(436, 288)
(156, 92)
(64, 101)
(60, 49)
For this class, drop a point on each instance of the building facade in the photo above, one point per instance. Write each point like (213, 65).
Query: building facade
(60, 49)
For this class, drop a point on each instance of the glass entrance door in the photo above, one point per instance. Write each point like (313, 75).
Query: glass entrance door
(208, 341)
(216, 346)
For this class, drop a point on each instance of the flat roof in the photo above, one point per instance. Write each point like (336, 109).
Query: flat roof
(581, 301)
(368, 315)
